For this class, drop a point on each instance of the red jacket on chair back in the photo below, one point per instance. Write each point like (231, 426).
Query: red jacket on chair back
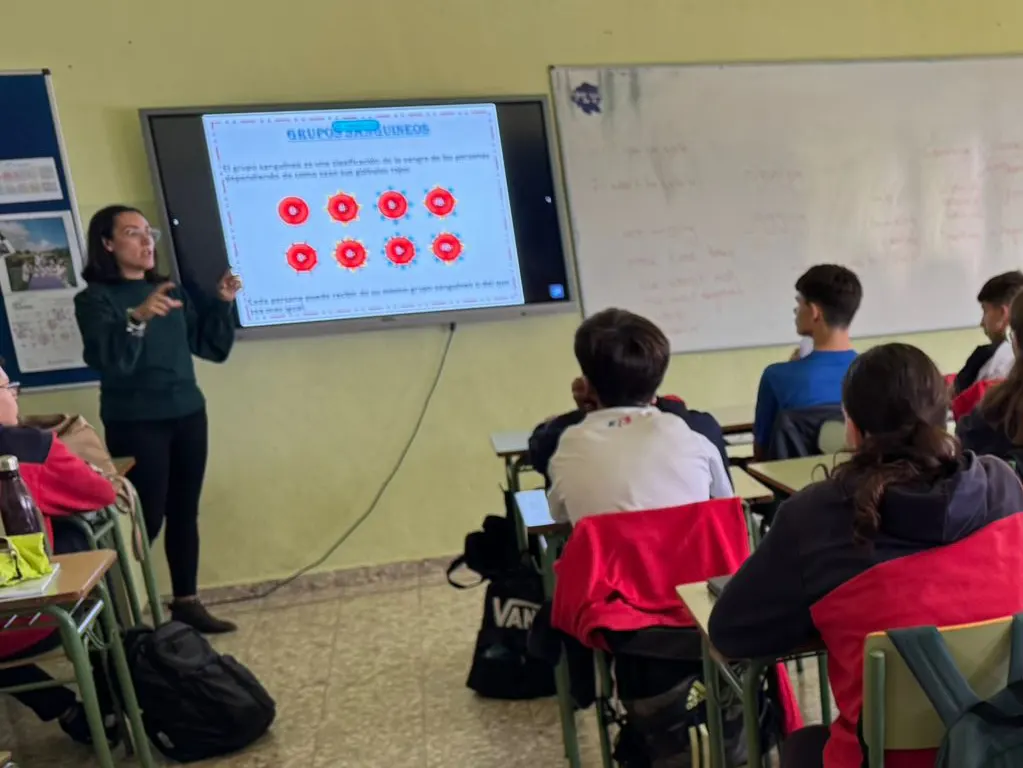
(619, 571)
(975, 579)
(970, 398)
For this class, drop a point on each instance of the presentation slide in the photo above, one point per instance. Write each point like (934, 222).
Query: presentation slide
(368, 212)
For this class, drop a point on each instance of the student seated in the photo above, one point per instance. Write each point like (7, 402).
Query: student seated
(993, 360)
(626, 454)
(545, 438)
(61, 484)
(827, 297)
(910, 517)
(995, 426)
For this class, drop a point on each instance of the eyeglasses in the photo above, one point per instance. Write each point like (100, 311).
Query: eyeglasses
(142, 234)
(13, 387)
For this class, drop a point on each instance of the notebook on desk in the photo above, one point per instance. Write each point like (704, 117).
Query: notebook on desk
(717, 585)
(32, 588)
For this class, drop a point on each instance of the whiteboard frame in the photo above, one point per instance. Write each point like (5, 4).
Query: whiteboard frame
(384, 322)
(554, 69)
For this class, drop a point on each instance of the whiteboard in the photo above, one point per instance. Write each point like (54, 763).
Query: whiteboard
(699, 194)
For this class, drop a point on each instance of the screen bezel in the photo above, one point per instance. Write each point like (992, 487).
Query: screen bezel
(347, 325)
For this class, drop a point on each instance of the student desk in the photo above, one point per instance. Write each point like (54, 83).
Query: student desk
(699, 602)
(513, 449)
(73, 604)
(734, 419)
(790, 476)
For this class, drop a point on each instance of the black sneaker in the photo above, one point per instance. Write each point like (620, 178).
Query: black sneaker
(76, 725)
(194, 614)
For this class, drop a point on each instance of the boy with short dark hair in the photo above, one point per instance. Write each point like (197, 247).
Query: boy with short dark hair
(992, 361)
(626, 454)
(827, 299)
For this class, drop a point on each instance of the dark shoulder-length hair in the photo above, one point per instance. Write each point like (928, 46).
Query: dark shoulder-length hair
(1002, 406)
(101, 264)
(897, 398)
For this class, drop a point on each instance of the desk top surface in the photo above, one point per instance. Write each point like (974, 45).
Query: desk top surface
(536, 513)
(793, 475)
(748, 488)
(733, 419)
(512, 443)
(699, 602)
(78, 575)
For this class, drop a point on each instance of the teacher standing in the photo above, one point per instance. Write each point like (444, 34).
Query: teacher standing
(140, 332)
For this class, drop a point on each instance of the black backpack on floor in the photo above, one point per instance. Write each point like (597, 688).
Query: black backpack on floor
(501, 666)
(195, 703)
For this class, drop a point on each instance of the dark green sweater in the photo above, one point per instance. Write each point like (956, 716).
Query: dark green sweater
(152, 376)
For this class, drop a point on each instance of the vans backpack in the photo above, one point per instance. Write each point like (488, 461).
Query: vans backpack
(981, 734)
(196, 704)
(502, 667)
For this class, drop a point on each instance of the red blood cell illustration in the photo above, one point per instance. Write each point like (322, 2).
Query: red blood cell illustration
(302, 257)
(393, 205)
(350, 254)
(343, 207)
(447, 247)
(400, 251)
(293, 211)
(440, 202)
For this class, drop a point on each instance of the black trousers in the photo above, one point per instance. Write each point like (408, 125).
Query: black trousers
(51, 703)
(805, 748)
(170, 463)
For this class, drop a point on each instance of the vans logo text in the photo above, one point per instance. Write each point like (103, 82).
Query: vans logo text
(514, 614)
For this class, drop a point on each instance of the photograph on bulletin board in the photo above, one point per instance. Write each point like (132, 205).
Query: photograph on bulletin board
(38, 279)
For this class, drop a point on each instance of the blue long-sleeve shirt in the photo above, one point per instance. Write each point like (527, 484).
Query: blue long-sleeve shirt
(813, 380)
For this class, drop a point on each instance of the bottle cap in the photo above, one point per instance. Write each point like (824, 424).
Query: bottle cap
(8, 464)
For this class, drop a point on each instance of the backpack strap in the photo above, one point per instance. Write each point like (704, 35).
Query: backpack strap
(457, 563)
(926, 654)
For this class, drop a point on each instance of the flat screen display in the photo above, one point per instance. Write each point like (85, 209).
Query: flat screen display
(367, 213)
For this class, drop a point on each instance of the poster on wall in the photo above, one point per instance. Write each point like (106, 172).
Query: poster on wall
(29, 180)
(40, 268)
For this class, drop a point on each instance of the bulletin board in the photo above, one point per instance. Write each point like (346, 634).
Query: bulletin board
(41, 243)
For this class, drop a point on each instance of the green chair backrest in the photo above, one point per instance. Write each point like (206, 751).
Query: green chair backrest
(831, 438)
(901, 709)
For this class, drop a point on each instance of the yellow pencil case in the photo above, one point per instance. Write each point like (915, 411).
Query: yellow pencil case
(23, 558)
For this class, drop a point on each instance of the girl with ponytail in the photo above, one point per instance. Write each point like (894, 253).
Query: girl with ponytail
(911, 530)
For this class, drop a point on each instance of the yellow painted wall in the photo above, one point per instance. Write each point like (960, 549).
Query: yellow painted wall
(305, 431)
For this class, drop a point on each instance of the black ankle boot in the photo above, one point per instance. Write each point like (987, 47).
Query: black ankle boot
(194, 614)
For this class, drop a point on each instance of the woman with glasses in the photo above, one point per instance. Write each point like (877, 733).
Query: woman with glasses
(140, 332)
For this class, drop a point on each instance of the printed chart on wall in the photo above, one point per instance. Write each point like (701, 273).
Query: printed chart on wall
(39, 279)
(352, 213)
(40, 245)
